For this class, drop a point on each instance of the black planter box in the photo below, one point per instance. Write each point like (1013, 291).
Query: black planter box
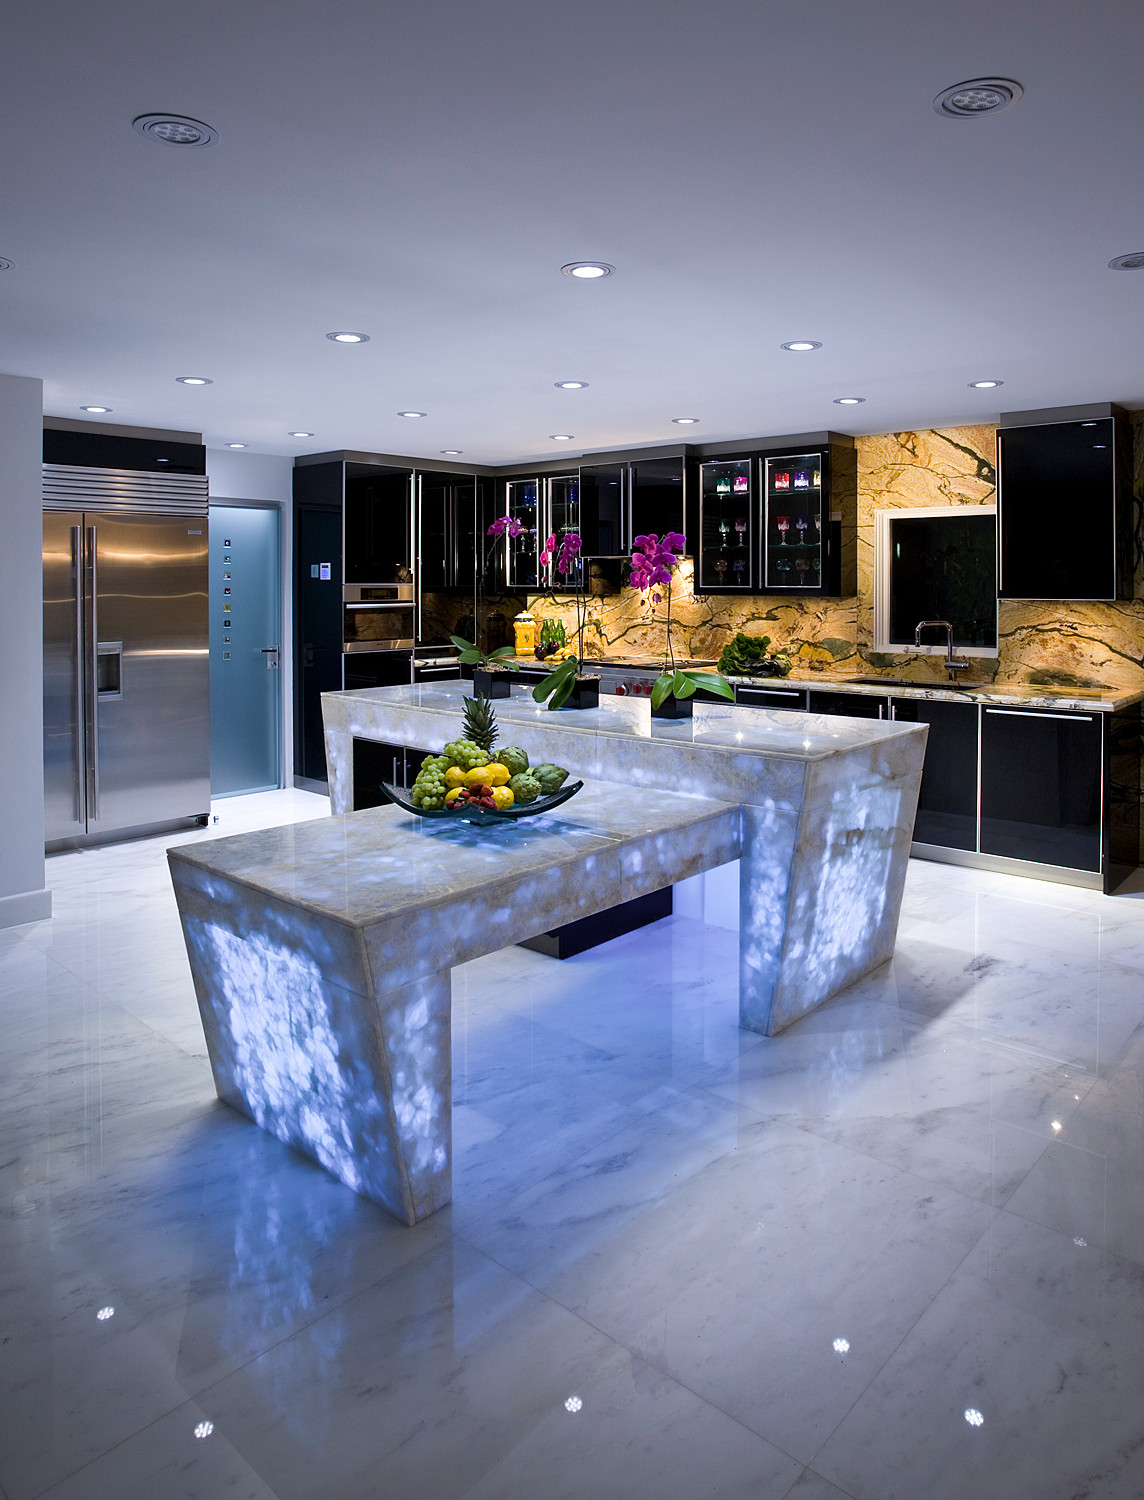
(488, 684)
(585, 694)
(673, 708)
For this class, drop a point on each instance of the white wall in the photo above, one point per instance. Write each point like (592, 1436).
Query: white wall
(23, 897)
(267, 480)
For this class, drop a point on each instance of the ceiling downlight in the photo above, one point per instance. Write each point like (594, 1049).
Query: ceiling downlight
(685, 421)
(344, 336)
(299, 434)
(96, 411)
(801, 346)
(571, 385)
(976, 97)
(5, 263)
(1133, 261)
(588, 270)
(192, 380)
(849, 400)
(174, 130)
(985, 385)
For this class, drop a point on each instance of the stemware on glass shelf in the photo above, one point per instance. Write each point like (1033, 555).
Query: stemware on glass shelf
(783, 524)
(801, 523)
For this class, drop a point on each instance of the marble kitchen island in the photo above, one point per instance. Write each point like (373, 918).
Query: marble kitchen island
(321, 953)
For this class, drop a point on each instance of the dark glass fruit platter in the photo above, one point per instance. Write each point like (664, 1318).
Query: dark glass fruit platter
(481, 816)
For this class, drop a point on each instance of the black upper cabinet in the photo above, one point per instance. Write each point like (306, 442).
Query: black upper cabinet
(447, 530)
(378, 524)
(622, 500)
(1064, 511)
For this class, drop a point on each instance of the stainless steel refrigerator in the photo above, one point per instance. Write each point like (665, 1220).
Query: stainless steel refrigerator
(126, 672)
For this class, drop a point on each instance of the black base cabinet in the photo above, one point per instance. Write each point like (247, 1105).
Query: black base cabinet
(1041, 786)
(947, 800)
(846, 705)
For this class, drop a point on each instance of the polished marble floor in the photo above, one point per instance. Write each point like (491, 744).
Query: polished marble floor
(896, 1252)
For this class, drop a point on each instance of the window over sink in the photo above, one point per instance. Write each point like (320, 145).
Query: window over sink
(936, 563)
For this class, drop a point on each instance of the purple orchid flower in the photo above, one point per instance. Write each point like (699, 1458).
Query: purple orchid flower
(653, 561)
(569, 548)
(505, 525)
(548, 550)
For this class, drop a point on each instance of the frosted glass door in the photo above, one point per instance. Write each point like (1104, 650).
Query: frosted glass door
(244, 645)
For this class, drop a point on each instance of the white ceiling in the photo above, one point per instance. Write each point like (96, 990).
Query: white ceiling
(756, 170)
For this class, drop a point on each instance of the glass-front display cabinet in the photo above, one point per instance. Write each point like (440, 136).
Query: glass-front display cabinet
(522, 552)
(796, 525)
(726, 527)
(562, 516)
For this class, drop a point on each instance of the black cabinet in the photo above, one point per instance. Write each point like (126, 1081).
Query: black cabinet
(317, 629)
(378, 523)
(625, 498)
(947, 800)
(447, 529)
(846, 705)
(771, 697)
(1041, 786)
(1064, 510)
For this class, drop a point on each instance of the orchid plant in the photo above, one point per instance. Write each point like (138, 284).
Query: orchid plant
(470, 654)
(563, 553)
(652, 572)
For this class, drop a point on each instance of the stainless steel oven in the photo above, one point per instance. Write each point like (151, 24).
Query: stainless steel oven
(379, 617)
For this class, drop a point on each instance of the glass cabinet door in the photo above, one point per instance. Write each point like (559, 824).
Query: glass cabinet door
(522, 498)
(726, 528)
(563, 516)
(794, 525)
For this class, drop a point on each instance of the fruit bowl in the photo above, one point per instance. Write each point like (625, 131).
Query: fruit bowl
(480, 816)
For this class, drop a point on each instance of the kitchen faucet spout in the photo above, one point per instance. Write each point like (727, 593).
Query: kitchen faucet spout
(952, 665)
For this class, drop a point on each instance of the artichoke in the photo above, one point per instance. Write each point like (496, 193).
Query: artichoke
(550, 777)
(524, 787)
(514, 758)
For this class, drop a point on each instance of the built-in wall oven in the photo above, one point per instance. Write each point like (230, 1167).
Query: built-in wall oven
(379, 630)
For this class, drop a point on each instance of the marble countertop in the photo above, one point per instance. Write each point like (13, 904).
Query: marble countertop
(734, 730)
(383, 862)
(1104, 700)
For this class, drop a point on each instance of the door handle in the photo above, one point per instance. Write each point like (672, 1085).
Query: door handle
(80, 706)
(1029, 713)
(92, 676)
(308, 653)
(271, 655)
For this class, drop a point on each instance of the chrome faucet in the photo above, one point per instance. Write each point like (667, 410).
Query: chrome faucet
(952, 665)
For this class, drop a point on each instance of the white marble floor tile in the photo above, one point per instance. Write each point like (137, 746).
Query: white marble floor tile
(1023, 1378)
(667, 1218)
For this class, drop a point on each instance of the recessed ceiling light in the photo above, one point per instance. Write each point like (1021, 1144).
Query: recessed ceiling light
(345, 337)
(412, 413)
(849, 400)
(299, 434)
(587, 270)
(984, 385)
(561, 437)
(192, 380)
(6, 265)
(977, 96)
(236, 445)
(685, 421)
(175, 130)
(571, 385)
(800, 346)
(1133, 261)
(452, 452)
(95, 408)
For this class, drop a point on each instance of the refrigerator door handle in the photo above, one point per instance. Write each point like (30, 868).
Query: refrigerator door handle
(91, 677)
(80, 706)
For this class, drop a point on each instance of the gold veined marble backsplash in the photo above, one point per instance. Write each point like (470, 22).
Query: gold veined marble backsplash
(1045, 644)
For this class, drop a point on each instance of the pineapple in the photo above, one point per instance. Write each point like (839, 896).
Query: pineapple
(480, 723)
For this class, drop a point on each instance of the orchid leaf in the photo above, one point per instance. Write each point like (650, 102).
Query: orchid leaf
(660, 689)
(565, 672)
(711, 682)
(682, 685)
(501, 652)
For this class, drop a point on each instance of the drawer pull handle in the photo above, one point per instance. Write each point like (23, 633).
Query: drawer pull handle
(1030, 713)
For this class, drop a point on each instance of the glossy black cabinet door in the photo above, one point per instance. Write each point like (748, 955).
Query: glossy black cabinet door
(1041, 786)
(318, 632)
(1061, 515)
(772, 697)
(847, 705)
(657, 497)
(947, 801)
(603, 509)
(378, 524)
